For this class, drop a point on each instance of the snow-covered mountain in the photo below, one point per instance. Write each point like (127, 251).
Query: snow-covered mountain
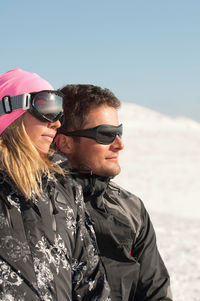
(161, 164)
(161, 160)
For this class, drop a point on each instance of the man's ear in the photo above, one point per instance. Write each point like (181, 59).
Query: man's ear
(65, 144)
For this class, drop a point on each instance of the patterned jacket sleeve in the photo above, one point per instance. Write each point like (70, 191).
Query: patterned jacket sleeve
(88, 276)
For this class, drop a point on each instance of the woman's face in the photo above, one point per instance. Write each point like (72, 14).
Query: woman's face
(41, 133)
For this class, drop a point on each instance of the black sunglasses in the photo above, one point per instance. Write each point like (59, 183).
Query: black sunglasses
(103, 134)
(44, 105)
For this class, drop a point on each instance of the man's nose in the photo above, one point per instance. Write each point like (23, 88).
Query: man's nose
(118, 143)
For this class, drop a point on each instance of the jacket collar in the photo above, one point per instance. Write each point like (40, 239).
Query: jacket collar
(92, 185)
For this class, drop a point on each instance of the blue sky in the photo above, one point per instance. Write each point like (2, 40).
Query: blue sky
(145, 51)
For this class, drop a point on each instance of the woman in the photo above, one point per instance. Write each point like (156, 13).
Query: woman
(47, 245)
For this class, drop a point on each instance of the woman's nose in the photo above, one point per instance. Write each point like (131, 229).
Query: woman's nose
(56, 124)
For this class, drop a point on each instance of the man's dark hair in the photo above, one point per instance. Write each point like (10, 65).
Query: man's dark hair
(80, 99)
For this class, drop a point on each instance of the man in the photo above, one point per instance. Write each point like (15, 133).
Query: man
(91, 138)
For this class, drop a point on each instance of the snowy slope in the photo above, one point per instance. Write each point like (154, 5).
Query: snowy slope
(161, 164)
(161, 160)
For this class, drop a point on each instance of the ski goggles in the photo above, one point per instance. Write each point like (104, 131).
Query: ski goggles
(44, 105)
(103, 134)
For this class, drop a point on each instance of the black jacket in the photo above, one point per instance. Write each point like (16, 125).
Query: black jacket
(126, 241)
(48, 247)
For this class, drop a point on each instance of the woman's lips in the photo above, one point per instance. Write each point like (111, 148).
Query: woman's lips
(49, 137)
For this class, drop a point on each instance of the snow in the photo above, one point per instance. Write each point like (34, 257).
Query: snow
(161, 165)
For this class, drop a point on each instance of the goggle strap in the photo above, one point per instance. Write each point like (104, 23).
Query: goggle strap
(9, 104)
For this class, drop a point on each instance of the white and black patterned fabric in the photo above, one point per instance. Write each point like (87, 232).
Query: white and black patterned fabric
(47, 246)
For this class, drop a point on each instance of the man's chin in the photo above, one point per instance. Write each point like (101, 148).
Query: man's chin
(110, 172)
(114, 174)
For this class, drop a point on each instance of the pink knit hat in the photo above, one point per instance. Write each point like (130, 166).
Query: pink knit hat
(16, 82)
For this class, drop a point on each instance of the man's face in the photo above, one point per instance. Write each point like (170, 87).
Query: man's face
(102, 159)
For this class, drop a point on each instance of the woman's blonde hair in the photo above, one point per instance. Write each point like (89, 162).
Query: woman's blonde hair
(21, 161)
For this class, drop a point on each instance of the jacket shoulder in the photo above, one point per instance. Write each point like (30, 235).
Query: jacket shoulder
(132, 201)
(128, 204)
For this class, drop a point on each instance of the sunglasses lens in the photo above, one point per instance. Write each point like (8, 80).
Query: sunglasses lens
(48, 105)
(106, 134)
(105, 138)
(103, 134)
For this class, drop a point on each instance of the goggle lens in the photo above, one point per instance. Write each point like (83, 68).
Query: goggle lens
(47, 106)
